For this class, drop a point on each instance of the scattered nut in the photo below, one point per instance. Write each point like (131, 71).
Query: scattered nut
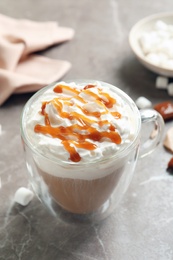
(170, 166)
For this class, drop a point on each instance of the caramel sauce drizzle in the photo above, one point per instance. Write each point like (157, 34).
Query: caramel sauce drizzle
(60, 88)
(71, 136)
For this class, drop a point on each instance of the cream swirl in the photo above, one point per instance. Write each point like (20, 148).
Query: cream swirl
(76, 122)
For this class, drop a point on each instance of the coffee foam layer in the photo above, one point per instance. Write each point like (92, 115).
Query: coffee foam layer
(76, 171)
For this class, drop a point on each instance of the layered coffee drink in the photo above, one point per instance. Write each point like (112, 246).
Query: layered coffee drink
(76, 131)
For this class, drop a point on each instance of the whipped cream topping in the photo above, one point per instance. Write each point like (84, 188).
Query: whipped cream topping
(79, 122)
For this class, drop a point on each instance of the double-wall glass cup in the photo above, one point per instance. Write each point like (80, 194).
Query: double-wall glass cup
(62, 186)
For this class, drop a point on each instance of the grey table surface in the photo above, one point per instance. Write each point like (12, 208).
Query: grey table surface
(141, 227)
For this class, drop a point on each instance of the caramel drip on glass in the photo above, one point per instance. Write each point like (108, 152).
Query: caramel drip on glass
(80, 135)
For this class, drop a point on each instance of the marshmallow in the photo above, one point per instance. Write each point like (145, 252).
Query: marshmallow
(157, 45)
(160, 25)
(153, 58)
(149, 42)
(170, 89)
(23, 196)
(161, 82)
(143, 102)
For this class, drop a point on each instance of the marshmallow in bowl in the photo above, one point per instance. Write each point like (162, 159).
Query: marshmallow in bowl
(157, 45)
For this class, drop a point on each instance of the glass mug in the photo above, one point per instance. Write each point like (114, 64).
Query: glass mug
(91, 200)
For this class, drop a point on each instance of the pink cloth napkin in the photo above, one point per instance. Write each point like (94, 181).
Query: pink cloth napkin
(21, 70)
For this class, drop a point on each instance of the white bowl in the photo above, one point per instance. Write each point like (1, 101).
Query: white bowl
(138, 29)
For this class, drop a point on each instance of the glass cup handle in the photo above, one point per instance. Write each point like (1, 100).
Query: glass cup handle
(150, 118)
